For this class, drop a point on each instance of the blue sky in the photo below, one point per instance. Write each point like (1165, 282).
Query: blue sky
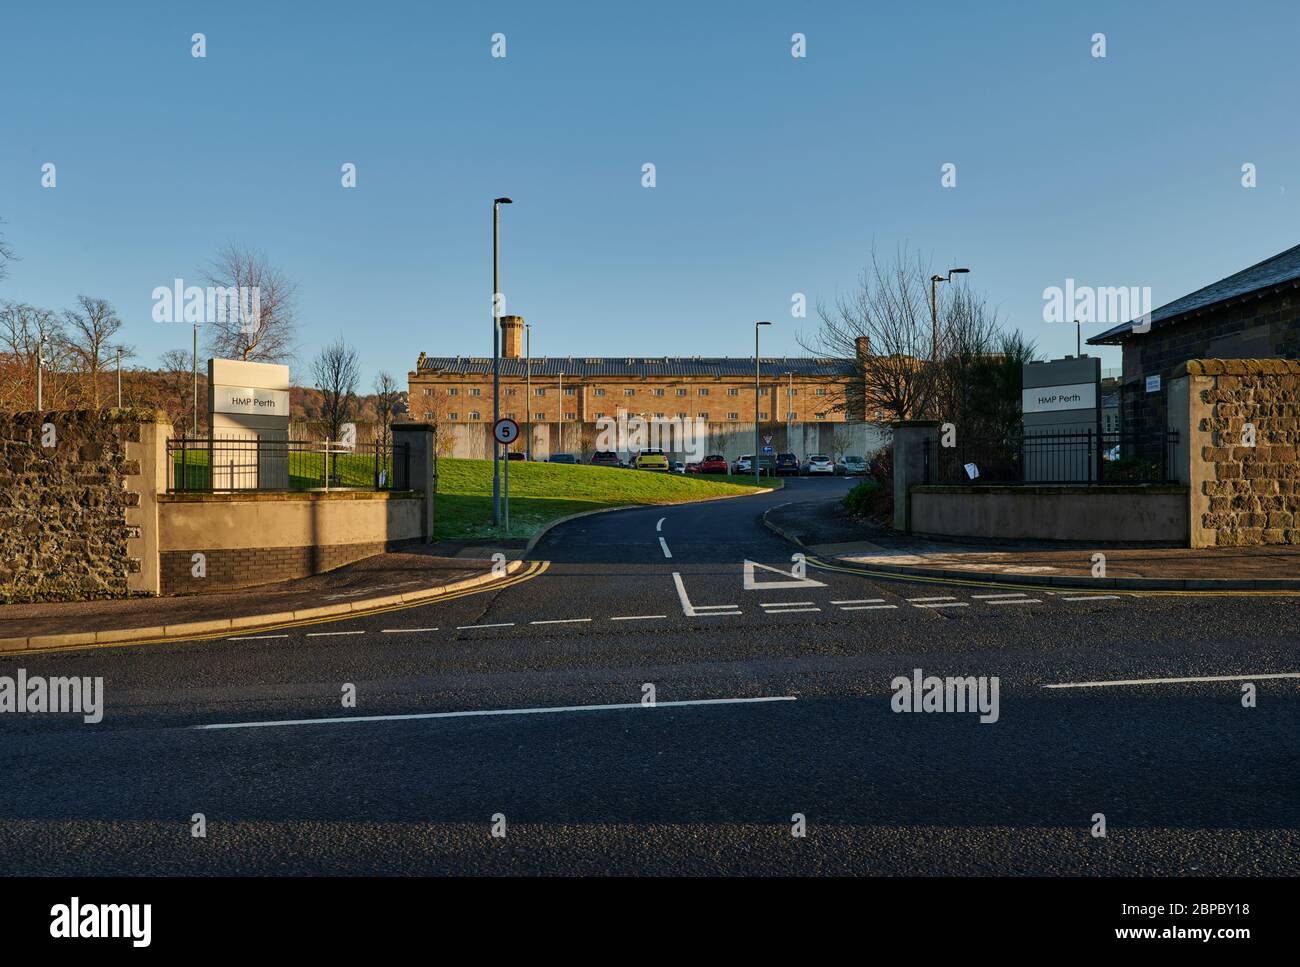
(775, 175)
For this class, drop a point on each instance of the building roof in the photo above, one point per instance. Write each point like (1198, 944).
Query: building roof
(637, 366)
(1281, 270)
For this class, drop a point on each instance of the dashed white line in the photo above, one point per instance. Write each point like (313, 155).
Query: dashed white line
(860, 601)
(560, 621)
(331, 634)
(715, 614)
(867, 607)
(501, 624)
(1093, 597)
(1176, 681)
(637, 617)
(944, 604)
(782, 604)
(405, 631)
(1018, 594)
(256, 637)
(664, 544)
(789, 610)
(660, 526)
(945, 598)
(1017, 601)
(344, 720)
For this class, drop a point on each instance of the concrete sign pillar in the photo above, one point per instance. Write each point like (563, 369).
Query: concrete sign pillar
(1061, 396)
(248, 401)
(419, 437)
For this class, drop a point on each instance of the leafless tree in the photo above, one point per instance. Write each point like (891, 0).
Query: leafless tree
(388, 397)
(90, 330)
(6, 254)
(266, 337)
(336, 371)
(23, 328)
(885, 328)
(177, 370)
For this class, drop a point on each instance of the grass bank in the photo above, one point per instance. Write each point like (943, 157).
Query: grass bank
(543, 492)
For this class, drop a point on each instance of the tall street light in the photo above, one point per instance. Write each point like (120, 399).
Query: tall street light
(194, 427)
(789, 412)
(528, 388)
(119, 377)
(559, 413)
(756, 387)
(496, 352)
(934, 309)
(40, 372)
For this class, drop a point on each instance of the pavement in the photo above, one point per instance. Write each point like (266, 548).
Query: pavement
(664, 691)
(372, 582)
(828, 531)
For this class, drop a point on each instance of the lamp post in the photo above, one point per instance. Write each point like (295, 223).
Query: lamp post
(496, 351)
(934, 309)
(40, 372)
(559, 413)
(194, 427)
(528, 388)
(756, 387)
(119, 377)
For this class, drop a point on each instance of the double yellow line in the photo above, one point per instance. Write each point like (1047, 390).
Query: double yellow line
(1040, 588)
(534, 569)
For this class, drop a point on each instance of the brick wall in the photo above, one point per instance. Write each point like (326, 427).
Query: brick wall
(64, 527)
(244, 567)
(1243, 494)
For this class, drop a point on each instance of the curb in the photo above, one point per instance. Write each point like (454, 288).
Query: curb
(1208, 585)
(121, 636)
(609, 510)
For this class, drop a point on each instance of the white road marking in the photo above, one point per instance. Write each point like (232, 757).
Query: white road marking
(860, 601)
(405, 631)
(1175, 681)
(789, 610)
(944, 604)
(715, 607)
(715, 614)
(502, 624)
(946, 598)
(637, 617)
(700, 610)
(560, 621)
(331, 634)
(1017, 601)
(1018, 594)
(664, 544)
(256, 637)
(660, 526)
(500, 711)
(782, 604)
(1094, 597)
(867, 607)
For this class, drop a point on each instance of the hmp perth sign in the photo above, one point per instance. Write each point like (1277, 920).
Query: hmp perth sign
(248, 401)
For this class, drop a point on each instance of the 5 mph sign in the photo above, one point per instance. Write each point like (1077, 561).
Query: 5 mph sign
(505, 431)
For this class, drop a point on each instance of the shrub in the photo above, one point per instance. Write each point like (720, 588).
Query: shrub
(864, 499)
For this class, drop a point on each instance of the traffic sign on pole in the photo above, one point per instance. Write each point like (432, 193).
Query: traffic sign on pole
(505, 431)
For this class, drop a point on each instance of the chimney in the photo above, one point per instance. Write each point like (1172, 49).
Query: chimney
(512, 337)
(863, 344)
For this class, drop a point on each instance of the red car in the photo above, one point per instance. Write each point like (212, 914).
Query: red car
(714, 463)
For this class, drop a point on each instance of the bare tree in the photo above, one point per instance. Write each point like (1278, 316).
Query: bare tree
(885, 328)
(90, 331)
(335, 371)
(263, 328)
(177, 370)
(388, 397)
(23, 329)
(6, 255)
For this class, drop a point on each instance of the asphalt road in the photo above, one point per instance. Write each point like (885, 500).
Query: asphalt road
(1189, 780)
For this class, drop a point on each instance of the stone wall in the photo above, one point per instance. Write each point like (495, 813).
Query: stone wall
(65, 494)
(1241, 494)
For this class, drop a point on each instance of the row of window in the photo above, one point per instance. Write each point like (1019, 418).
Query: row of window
(629, 391)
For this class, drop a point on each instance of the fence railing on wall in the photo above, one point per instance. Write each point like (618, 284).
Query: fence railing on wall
(240, 463)
(1084, 457)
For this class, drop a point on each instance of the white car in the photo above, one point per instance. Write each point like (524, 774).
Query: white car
(819, 463)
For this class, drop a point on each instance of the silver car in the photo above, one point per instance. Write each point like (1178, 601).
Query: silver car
(820, 465)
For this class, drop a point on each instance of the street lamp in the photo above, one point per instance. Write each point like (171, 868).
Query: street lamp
(528, 389)
(789, 407)
(119, 377)
(559, 413)
(496, 351)
(40, 372)
(934, 309)
(756, 387)
(194, 427)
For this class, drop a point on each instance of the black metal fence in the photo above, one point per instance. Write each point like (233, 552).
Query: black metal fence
(1086, 457)
(241, 463)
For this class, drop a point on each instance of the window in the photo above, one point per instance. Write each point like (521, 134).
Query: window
(681, 392)
(763, 415)
(428, 415)
(453, 391)
(510, 416)
(629, 392)
(733, 392)
(600, 416)
(791, 415)
(659, 416)
(821, 392)
(453, 416)
(428, 391)
(473, 414)
(569, 390)
(681, 415)
(598, 392)
(475, 391)
(789, 391)
(703, 391)
(733, 416)
(762, 391)
(570, 416)
(539, 415)
(510, 391)
(704, 416)
(659, 391)
(821, 416)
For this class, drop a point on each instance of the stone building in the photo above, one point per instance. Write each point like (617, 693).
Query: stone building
(1253, 314)
(559, 400)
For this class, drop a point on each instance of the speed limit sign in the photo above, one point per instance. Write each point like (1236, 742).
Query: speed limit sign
(505, 431)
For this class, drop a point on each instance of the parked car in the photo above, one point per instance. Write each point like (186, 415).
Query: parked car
(713, 463)
(562, 458)
(516, 455)
(650, 460)
(787, 464)
(851, 466)
(819, 464)
(745, 464)
(678, 467)
(605, 458)
(693, 466)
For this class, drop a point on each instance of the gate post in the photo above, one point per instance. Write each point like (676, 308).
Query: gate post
(909, 464)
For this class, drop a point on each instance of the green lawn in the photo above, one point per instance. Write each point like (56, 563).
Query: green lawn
(306, 469)
(542, 492)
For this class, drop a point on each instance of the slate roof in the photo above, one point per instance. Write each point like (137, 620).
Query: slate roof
(614, 367)
(1282, 269)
